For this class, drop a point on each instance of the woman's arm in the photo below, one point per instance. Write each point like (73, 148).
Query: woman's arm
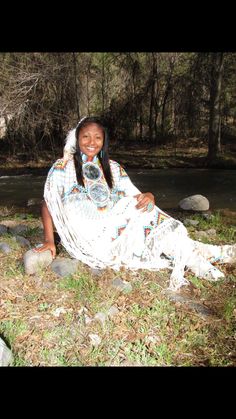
(49, 243)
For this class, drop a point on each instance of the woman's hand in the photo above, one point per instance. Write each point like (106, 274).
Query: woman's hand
(47, 245)
(146, 201)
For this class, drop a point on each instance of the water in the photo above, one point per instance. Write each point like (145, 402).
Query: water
(168, 185)
(171, 185)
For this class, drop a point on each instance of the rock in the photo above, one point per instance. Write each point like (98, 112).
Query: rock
(207, 216)
(34, 201)
(3, 229)
(64, 266)
(58, 311)
(87, 319)
(96, 272)
(207, 234)
(95, 339)
(113, 311)
(189, 222)
(34, 261)
(5, 248)
(173, 296)
(211, 232)
(199, 235)
(22, 241)
(121, 285)
(101, 317)
(198, 307)
(18, 229)
(5, 354)
(194, 203)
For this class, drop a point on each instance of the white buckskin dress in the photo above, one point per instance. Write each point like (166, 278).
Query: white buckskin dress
(102, 227)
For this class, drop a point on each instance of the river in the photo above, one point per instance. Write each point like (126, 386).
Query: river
(168, 185)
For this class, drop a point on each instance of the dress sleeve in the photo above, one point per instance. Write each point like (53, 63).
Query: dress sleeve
(122, 181)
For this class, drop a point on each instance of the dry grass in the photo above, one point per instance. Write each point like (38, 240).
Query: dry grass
(49, 321)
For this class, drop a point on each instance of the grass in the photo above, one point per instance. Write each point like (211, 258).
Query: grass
(50, 321)
(230, 309)
(224, 226)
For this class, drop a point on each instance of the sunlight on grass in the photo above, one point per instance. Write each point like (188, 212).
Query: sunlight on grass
(230, 309)
(11, 329)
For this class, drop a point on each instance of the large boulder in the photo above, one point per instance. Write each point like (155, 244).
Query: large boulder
(194, 203)
(34, 261)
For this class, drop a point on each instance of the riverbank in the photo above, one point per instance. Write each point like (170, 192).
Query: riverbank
(182, 154)
(146, 157)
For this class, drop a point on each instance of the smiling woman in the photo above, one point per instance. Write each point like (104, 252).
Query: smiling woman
(105, 221)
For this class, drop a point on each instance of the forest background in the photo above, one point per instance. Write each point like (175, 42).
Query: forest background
(171, 109)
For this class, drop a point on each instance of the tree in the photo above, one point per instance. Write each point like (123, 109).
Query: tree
(214, 145)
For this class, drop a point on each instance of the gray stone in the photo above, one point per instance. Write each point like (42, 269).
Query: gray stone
(95, 340)
(102, 317)
(5, 354)
(207, 216)
(194, 203)
(34, 261)
(3, 229)
(18, 229)
(176, 297)
(64, 266)
(113, 311)
(211, 232)
(34, 201)
(198, 307)
(87, 319)
(5, 248)
(96, 272)
(22, 241)
(121, 285)
(189, 222)
(201, 235)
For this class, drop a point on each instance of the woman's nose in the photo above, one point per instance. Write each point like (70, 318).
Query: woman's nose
(92, 140)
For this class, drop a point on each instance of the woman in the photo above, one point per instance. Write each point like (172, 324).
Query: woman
(105, 221)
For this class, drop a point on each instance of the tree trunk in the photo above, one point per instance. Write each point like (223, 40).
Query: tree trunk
(214, 143)
(153, 95)
(76, 86)
(141, 122)
(103, 83)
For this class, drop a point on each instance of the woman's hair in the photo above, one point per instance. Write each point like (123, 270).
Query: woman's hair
(103, 157)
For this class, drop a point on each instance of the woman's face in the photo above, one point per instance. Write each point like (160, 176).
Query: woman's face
(91, 139)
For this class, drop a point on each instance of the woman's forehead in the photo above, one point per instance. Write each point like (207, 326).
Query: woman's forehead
(91, 126)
